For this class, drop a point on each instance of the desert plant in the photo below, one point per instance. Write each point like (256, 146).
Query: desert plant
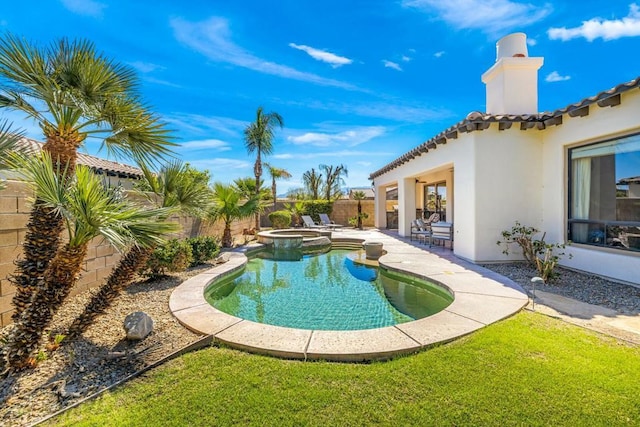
(280, 219)
(72, 92)
(230, 206)
(203, 249)
(175, 255)
(333, 180)
(89, 210)
(296, 209)
(536, 252)
(176, 187)
(360, 196)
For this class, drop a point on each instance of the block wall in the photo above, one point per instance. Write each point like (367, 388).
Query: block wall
(101, 256)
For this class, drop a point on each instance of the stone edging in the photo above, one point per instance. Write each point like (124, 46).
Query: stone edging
(481, 297)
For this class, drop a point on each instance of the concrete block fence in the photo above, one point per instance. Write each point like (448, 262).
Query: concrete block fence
(101, 256)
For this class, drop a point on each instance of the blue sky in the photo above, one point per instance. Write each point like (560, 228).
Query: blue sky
(357, 82)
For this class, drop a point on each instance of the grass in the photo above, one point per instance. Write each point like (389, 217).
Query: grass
(526, 370)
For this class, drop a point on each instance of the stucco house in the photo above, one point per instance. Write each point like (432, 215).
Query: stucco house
(572, 173)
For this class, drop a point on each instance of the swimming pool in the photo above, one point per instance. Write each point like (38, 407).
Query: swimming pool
(329, 291)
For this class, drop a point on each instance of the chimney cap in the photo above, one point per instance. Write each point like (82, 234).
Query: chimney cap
(512, 45)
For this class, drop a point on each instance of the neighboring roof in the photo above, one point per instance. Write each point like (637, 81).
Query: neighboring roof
(368, 192)
(480, 121)
(98, 165)
(631, 180)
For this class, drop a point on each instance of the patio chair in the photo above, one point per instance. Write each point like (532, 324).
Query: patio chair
(327, 222)
(309, 223)
(419, 230)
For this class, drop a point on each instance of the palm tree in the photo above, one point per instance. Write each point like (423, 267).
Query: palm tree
(258, 138)
(312, 181)
(176, 187)
(73, 92)
(360, 196)
(333, 180)
(89, 210)
(8, 144)
(229, 206)
(276, 173)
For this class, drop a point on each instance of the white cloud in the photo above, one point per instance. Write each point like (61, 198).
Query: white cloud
(206, 144)
(161, 82)
(531, 42)
(493, 17)
(146, 67)
(351, 137)
(612, 29)
(322, 55)
(332, 154)
(203, 125)
(212, 38)
(406, 58)
(365, 164)
(84, 7)
(221, 164)
(554, 76)
(439, 54)
(389, 64)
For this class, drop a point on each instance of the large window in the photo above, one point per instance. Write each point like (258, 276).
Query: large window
(435, 200)
(604, 194)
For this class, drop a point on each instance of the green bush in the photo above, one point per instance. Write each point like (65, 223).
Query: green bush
(173, 256)
(316, 207)
(203, 249)
(280, 219)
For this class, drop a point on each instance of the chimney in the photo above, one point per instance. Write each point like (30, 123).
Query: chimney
(512, 82)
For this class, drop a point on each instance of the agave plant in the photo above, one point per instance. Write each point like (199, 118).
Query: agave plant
(229, 205)
(88, 210)
(72, 92)
(175, 187)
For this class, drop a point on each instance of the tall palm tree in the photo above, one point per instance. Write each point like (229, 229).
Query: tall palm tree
(333, 180)
(258, 137)
(276, 173)
(89, 210)
(229, 206)
(360, 196)
(176, 187)
(312, 182)
(72, 92)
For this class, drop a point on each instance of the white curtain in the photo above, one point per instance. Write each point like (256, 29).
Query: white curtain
(581, 180)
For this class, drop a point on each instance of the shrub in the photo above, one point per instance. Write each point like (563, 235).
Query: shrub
(173, 256)
(536, 251)
(203, 248)
(280, 219)
(315, 207)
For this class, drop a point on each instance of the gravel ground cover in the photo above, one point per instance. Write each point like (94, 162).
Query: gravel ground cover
(103, 357)
(580, 286)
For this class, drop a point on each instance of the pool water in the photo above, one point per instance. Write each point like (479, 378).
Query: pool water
(324, 292)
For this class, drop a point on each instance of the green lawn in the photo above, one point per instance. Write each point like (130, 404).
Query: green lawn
(526, 370)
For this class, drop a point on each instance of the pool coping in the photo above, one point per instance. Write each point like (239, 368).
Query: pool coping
(481, 297)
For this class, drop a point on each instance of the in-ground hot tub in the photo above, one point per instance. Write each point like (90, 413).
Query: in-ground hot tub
(292, 238)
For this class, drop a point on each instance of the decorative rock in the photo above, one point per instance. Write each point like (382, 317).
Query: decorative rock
(138, 325)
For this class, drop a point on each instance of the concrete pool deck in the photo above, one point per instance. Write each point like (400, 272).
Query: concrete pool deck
(481, 297)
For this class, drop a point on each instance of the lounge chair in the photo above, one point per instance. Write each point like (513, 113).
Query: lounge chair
(309, 223)
(326, 221)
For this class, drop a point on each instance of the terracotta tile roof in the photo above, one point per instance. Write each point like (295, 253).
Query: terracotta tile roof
(97, 164)
(481, 121)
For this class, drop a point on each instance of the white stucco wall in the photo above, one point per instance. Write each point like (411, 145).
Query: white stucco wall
(601, 124)
(508, 186)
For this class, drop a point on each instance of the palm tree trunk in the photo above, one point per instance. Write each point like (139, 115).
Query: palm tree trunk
(227, 241)
(44, 227)
(40, 244)
(118, 280)
(57, 282)
(257, 169)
